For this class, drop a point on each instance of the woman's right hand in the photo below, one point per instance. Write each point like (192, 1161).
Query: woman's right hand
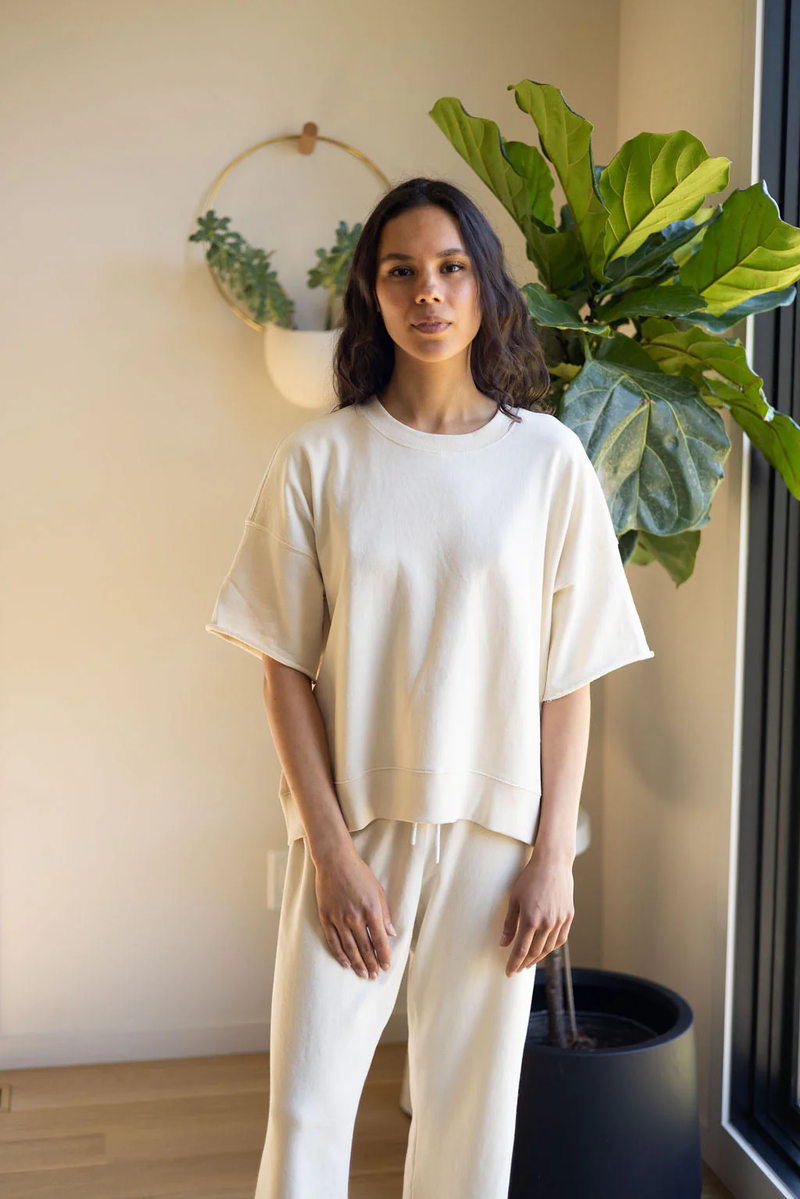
(352, 909)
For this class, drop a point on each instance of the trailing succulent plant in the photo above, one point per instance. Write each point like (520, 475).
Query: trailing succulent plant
(638, 285)
(246, 273)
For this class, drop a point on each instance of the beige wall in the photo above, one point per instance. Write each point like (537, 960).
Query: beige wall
(669, 764)
(139, 778)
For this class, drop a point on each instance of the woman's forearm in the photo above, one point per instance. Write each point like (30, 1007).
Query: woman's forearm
(565, 741)
(302, 747)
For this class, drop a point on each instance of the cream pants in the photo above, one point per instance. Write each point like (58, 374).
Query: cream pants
(467, 1020)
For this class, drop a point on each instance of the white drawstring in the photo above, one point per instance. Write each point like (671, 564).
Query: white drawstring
(438, 837)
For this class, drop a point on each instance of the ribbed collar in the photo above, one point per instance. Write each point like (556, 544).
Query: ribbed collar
(439, 443)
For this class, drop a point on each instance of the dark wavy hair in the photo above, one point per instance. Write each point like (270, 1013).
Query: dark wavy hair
(506, 359)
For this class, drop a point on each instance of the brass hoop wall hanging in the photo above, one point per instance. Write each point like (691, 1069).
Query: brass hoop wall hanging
(307, 141)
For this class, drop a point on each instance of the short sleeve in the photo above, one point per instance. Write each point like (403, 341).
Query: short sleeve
(594, 626)
(272, 600)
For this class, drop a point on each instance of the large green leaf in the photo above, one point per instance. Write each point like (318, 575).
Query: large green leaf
(736, 386)
(748, 251)
(546, 309)
(702, 218)
(662, 299)
(566, 139)
(657, 447)
(480, 144)
(652, 254)
(677, 554)
(557, 256)
(764, 302)
(529, 164)
(521, 180)
(654, 180)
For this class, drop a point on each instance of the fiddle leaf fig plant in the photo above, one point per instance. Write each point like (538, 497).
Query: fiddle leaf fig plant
(246, 273)
(639, 283)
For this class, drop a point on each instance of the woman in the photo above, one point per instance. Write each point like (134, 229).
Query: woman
(432, 578)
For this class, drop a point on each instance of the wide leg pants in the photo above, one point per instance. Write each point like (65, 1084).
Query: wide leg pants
(467, 1020)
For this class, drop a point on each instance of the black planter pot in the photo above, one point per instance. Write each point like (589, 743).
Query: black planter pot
(610, 1123)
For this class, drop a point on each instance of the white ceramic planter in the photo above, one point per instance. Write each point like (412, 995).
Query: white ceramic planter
(300, 364)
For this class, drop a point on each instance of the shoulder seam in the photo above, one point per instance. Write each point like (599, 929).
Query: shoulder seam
(254, 525)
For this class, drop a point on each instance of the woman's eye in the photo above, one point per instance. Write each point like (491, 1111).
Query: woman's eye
(460, 266)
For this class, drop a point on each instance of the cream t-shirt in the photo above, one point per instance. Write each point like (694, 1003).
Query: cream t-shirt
(438, 587)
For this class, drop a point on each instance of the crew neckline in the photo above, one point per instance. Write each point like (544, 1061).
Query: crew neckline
(419, 439)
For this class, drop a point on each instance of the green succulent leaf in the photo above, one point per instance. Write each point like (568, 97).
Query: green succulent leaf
(244, 270)
(654, 180)
(657, 447)
(734, 385)
(566, 139)
(747, 252)
(677, 554)
(661, 299)
(548, 310)
(334, 265)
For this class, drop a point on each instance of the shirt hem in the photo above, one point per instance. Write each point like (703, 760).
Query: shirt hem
(436, 798)
(258, 648)
(597, 674)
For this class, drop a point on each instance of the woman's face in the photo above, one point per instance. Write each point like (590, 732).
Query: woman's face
(425, 274)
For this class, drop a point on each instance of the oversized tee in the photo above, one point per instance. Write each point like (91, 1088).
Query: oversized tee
(436, 588)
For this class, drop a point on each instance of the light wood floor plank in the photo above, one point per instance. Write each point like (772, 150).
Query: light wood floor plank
(192, 1128)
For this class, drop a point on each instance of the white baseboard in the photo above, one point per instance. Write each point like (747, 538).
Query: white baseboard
(88, 1047)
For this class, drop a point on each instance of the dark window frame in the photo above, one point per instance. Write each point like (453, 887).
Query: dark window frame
(766, 999)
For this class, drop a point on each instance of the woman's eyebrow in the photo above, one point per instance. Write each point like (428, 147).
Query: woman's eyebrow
(408, 257)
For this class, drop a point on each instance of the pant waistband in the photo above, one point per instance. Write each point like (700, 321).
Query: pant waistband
(438, 836)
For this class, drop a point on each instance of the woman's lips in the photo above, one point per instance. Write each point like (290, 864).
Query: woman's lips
(431, 326)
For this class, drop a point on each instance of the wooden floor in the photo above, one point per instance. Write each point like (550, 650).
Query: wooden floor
(186, 1129)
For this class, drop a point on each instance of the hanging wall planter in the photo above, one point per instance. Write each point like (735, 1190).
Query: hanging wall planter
(299, 361)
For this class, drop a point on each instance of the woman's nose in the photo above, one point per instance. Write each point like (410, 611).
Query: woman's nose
(429, 290)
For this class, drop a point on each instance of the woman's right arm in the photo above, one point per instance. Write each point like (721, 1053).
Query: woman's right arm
(349, 897)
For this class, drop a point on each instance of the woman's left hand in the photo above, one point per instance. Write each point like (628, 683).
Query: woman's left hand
(540, 909)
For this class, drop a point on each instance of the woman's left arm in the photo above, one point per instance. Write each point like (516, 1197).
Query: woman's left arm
(540, 906)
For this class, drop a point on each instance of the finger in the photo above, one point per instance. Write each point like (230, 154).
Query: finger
(361, 935)
(535, 954)
(553, 940)
(537, 947)
(387, 919)
(376, 928)
(532, 951)
(352, 950)
(541, 948)
(520, 948)
(510, 922)
(335, 944)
